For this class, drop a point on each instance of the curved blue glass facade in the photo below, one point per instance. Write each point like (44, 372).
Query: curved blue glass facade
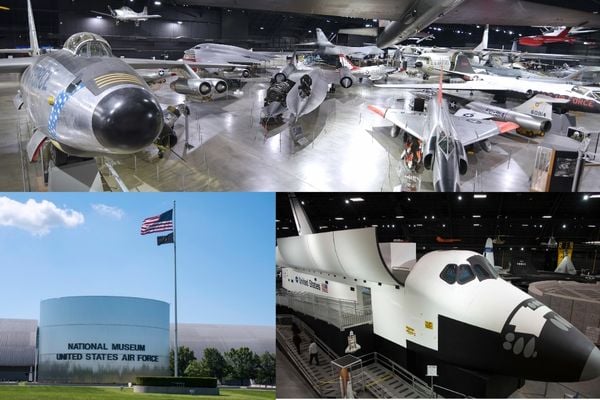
(102, 339)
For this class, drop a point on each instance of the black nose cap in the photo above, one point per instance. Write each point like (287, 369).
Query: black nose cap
(127, 120)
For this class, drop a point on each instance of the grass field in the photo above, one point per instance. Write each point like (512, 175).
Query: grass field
(101, 393)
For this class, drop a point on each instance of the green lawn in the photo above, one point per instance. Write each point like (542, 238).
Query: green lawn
(100, 393)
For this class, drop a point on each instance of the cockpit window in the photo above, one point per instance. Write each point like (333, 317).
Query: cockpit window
(481, 272)
(580, 90)
(464, 274)
(446, 145)
(448, 274)
(86, 44)
(93, 49)
(482, 264)
(594, 95)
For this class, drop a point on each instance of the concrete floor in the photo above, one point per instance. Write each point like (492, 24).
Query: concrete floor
(534, 389)
(348, 149)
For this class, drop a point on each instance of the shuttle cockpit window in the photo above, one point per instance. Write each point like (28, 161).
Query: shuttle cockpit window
(448, 274)
(482, 267)
(464, 274)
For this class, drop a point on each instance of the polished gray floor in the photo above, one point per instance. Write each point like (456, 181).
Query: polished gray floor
(347, 148)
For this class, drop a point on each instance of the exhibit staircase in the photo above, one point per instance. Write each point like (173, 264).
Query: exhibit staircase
(377, 376)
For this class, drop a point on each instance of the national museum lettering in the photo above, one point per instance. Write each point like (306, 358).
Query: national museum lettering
(106, 356)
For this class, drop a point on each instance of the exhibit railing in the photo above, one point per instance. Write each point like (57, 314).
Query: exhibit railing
(323, 388)
(342, 314)
(295, 359)
(416, 384)
(441, 392)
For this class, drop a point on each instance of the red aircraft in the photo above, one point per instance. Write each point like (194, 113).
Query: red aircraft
(539, 40)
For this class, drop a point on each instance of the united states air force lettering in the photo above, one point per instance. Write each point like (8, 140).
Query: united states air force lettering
(120, 347)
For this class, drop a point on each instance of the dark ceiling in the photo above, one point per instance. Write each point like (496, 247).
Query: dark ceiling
(264, 27)
(517, 218)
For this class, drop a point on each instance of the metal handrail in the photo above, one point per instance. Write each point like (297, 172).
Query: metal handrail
(413, 381)
(459, 394)
(326, 349)
(308, 375)
(342, 314)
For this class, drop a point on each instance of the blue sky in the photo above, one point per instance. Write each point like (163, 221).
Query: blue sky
(89, 244)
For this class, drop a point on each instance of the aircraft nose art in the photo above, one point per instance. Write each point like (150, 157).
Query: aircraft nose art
(127, 120)
(541, 345)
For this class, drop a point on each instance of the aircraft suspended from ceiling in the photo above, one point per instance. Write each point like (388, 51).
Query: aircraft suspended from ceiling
(126, 14)
(411, 16)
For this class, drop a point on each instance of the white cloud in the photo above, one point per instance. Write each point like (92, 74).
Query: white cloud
(109, 211)
(37, 218)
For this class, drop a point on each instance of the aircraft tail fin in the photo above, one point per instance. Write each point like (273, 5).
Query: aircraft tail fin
(145, 11)
(322, 39)
(537, 106)
(463, 65)
(345, 62)
(440, 94)
(566, 267)
(112, 12)
(33, 40)
(488, 251)
(564, 32)
(484, 41)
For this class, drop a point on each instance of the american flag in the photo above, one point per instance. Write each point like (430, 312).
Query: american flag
(159, 223)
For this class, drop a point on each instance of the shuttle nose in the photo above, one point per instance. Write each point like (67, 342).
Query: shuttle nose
(127, 120)
(591, 369)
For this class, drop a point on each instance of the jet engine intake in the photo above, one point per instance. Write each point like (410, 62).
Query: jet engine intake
(463, 163)
(430, 153)
(346, 79)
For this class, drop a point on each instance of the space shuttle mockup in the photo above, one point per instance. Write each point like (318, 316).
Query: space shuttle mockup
(451, 306)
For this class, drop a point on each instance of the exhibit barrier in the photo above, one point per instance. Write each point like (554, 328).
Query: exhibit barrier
(411, 380)
(397, 377)
(342, 314)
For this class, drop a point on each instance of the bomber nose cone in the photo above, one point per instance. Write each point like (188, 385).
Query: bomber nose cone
(591, 369)
(127, 120)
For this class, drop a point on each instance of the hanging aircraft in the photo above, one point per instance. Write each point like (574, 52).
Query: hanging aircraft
(84, 101)
(552, 35)
(412, 16)
(442, 137)
(126, 14)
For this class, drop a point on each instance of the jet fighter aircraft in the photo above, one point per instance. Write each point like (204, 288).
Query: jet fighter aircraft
(442, 138)
(84, 101)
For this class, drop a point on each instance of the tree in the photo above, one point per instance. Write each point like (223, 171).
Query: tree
(243, 363)
(196, 368)
(185, 356)
(214, 363)
(266, 370)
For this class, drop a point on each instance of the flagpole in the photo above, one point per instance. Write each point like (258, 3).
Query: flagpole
(176, 353)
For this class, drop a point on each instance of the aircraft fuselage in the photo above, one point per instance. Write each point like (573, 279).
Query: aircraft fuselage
(90, 105)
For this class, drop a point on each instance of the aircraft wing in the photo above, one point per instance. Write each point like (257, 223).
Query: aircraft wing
(105, 14)
(411, 122)
(140, 63)
(15, 65)
(469, 12)
(142, 17)
(469, 85)
(471, 130)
